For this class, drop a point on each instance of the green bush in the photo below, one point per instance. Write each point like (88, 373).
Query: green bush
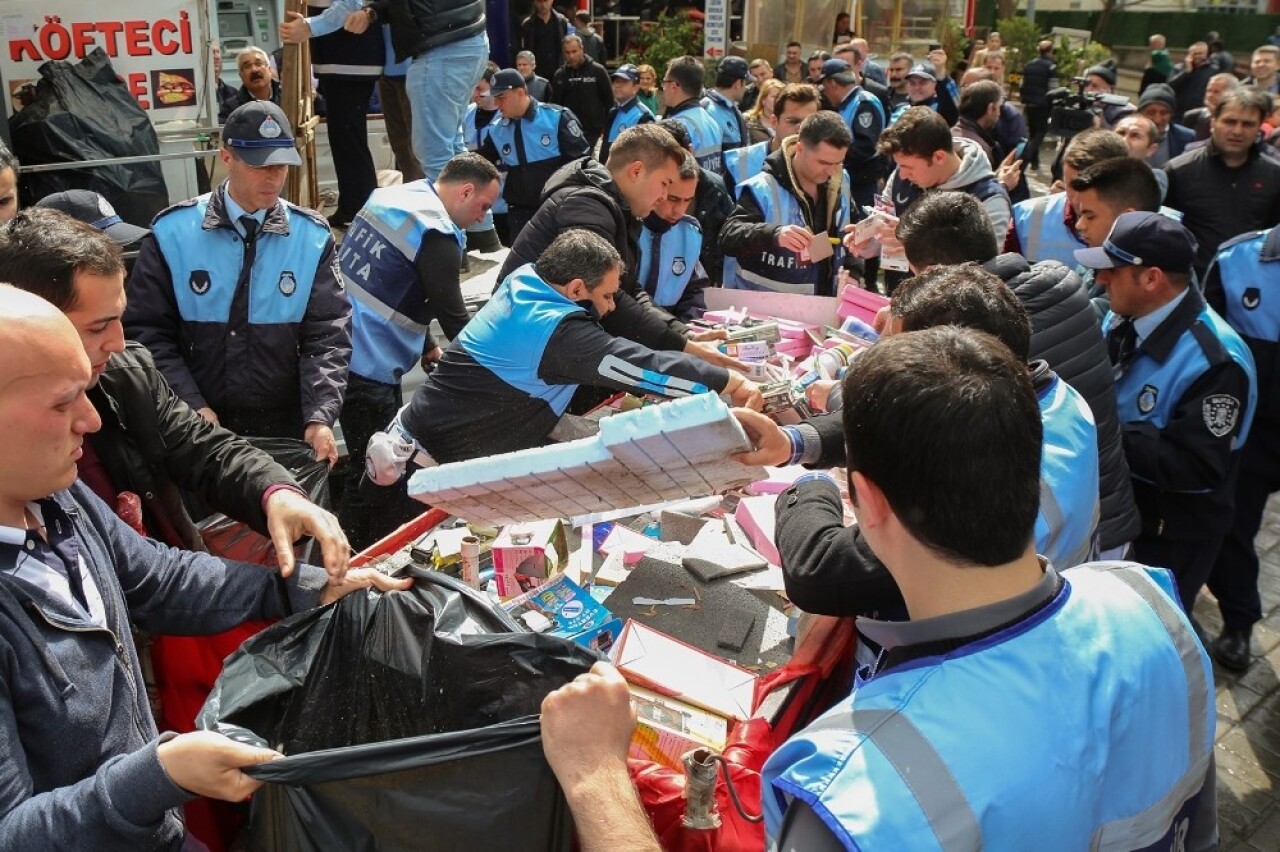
(1073, 61)
(1020, 37)
(671, 36)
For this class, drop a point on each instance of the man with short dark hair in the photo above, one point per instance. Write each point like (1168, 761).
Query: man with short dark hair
(792, 69)
(582, 86)
(591, 41)
(1263, 66)
(865, 115)
(671, 245)
(784, 235)
(681, 95)
(1189, 81)
(1187, 392)
(1228, 187)
(795, 103)
(712, 204)
(899, 93)
(815, 65)
(273, 365)
(979, 111)
(721, 102)
(1141, 138)
(924, 414)
(542, 34)
(503, 384)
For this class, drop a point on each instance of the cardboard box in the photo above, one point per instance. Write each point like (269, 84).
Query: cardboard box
(563, 608)
(526, 555)
(667, 728)
(662, 663)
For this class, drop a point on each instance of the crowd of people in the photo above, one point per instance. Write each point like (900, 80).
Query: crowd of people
(1067, 430)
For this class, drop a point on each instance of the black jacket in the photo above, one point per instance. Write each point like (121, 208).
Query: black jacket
(587, 91)
(545, 41)
(419, 25)
(712, 204)
(1189, 86)
(152, 443)
(582, 194)
(1037, 77)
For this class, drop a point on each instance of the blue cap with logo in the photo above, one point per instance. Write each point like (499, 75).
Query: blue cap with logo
(922, 70)
(506, 80)
(626, 72)
(839, 71)
(1143, 238)
(258, 133)
(734, 66)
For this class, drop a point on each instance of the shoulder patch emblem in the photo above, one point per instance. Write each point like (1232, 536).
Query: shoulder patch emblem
(1251, 298)
(1147, 398)
(1221, 413)
(199, 281)
(865, 119)
(573, 127)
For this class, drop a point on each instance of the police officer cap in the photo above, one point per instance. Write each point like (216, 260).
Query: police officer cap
(259, 134)
(922, 70)
(92, 209)
(508, 79)
(734, 66)
(1143, 239)
(627, 72)
(1102, 71)
(840, 71)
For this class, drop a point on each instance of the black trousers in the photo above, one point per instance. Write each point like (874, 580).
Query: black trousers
(367, 408)
(1234, 581)
(1189, 561)
(1037, 126)
(347, 119)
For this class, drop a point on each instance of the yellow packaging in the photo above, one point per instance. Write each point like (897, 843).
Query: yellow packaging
(667, 728)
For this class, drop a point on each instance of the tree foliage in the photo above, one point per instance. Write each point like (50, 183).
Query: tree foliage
(664, 40)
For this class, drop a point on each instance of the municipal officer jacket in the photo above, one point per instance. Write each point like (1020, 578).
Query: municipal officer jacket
(669, 267)
(587, 92)
(530, 149)
(395, 262)
(621, 117)
(1243, 286)
(743, 163)
(335, 52)
(419, 25)
(733, 127)
(503, 383)
(583, 195)
(239, 326)
(1099, 734)
(704, 133)
(828, 567)
(1042, 232)
(475, 129)
(155, 445)
(770, 200)
(1186, 399)
(865, 116)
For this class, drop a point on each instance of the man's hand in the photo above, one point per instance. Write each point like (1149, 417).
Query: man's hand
(864, 249)
(1010, 171)
(362, 578)
(321, 439)
(587, 726)
(208, 414)
(357, 22)
(794, 238)
(707, 334)
(209, 764)
(881, 321)
(290, 516)
(430, 358)
(295, 30)
(743, 392)
(818, 393)
(939, 59)
(772, 447)
(709, 353)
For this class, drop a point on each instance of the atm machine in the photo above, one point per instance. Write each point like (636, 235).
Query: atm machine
(245, 23)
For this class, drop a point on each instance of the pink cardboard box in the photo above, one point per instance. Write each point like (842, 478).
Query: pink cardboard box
(755, 516)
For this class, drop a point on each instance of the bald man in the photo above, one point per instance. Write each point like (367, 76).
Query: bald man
(81, 763)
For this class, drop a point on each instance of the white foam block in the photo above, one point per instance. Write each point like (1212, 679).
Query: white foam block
(673, 451)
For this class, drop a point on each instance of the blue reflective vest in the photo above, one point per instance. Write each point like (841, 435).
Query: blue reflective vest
(741, 164)
(1148, 391)
(473, 137)
(1067, 525)
(1042, 232)
(704, 132)
(378, 265)
(668, 260)
(205, 264)
(510, 333)
(624, 116)
(733, 127)
(1088, 724)
(776, 268)
(1248, 270)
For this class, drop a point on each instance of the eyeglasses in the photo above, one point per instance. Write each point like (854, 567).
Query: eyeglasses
(667, 80)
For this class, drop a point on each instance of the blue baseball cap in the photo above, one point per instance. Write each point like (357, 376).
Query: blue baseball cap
(259, 133)
(922, 70)
(1143, 238)
(506, 80)
(839, 71)
(627, 72)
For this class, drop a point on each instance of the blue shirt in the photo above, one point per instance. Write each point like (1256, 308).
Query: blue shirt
(235, 211)
(1143, 326)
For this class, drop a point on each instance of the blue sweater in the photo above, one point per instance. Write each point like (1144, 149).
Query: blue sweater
(78, 761)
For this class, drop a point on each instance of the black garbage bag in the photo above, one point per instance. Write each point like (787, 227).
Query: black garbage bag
(235, 540)
(408, 721)
(84, 112)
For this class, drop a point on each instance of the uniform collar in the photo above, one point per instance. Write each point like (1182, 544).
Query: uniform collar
(1172, 320)
(218, 214)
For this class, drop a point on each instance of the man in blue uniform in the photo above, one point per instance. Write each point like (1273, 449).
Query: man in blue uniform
(236, 296)
(795, 103)
(1187, 393)
(1243, 286)
(400, 264)
(721, 102)
(503, 384)
(529, 143)
(670, 247)
(779, 237)
(864, 113)
(627, 110)
(906, 760)
(682, 97)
